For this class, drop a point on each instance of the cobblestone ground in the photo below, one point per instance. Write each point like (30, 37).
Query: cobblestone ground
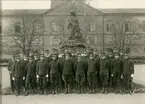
(111, 98)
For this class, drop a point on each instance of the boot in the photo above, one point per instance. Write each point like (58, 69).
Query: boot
(53, 93)
(18, 93)
(106, 91)
(103, 90)
(26, 94)
(66, 91)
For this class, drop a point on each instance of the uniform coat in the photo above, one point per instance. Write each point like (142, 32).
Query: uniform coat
(104, 72)
(128, 69)
(79, 67)
(10, 67)
(30, 76)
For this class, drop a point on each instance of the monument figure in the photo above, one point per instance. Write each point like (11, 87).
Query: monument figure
(75, 37)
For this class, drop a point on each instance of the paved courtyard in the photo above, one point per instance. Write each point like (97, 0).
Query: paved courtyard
(111, 98)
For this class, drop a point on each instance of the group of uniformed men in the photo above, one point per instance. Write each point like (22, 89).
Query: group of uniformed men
(66, 70)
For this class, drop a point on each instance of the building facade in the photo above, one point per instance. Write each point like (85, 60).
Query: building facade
(97, 25)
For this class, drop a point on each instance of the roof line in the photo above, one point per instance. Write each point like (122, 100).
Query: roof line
(52, 9)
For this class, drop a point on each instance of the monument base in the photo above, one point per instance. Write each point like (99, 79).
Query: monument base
(74, 45)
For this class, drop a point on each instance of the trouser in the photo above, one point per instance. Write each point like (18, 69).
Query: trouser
(12, 83)
(99, 84)
(35, 82)
(80, 79)
(117, 81)
(18, 84)
(92, 80)
(68, 80)
(104, 80)
(30, 81)
(55, 79)
(23, 82)
(127, 82)
(86, 80)
(110, 79)
(42, 82)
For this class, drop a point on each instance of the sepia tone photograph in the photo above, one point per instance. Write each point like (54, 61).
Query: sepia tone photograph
(72, 52)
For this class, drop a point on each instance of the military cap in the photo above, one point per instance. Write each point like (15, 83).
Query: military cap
(68, 53)
(18, 57)
(91, 54)
(125, 54)
(116, 54)
(102, 53)
(46, 50)
(42, 55)
(30, 58)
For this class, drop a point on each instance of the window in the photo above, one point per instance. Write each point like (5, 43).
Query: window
(126, 27)
(17, 28)
(92, 26)
(109, 27)
(91, 40)
(55, 27)
(143, 26)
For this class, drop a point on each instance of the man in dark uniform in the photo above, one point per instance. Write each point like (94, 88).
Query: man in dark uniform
(54, 68)
(122, 80)
(74, 59)
(104, 72)
(92, 72)
(24, 63)
(47, 56)
(116, 73)
(68, 72)
(42, 73)
(18, 75)
(79, 67)
(9, 67)
(35, 61)
(85, 59)
(30, 75)
(61, 57)
(110, 68)
(47, 60)
(128, 73)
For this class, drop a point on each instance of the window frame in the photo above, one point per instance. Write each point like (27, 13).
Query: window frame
(109, 27)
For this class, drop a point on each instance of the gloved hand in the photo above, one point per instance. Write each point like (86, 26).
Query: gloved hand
(23, 78)
(121, 76)
(132, 75)
(13, 78)
(112, 75)
(37, 76)
(47, 75)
